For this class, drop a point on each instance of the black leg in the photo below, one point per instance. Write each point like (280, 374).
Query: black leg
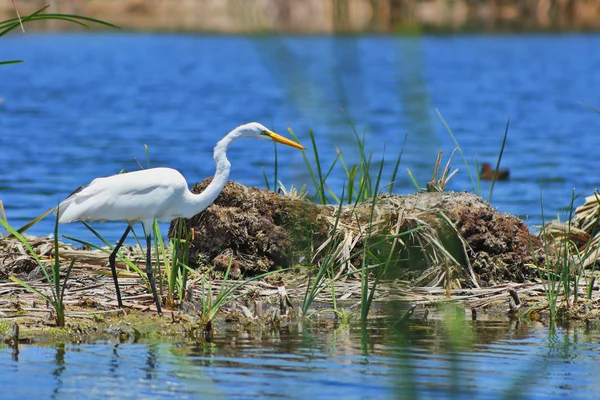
(149, 273)
(113, 268)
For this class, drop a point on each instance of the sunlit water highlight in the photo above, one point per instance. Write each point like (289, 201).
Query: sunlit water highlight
(85, 104)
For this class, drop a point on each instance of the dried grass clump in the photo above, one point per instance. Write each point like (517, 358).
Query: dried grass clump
(580, 235)
(452, 239)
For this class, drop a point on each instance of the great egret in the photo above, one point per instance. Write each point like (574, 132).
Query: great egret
(154, 193)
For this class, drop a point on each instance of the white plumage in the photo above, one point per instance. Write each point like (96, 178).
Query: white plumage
(155, 193)
(134, 196)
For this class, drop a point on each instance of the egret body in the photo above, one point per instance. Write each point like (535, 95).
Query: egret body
(154, 193)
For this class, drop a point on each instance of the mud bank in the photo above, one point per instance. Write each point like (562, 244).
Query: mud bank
(486, 262)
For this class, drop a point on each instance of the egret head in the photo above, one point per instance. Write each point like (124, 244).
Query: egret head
(259, 131)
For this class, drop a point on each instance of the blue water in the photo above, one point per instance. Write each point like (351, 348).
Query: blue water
(505, 361)
(85, 104)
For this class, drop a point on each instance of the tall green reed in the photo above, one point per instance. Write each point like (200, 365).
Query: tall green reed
(107, 250)
(476, 183)
(2, 212)
(57, 287)
(565, 264)
(327, 265)
(40, 15)
(565, 269)
(177, 262)
(358, 176)
(367, 290)
(569, 262)
(590, 254)
(109, 247)
(213, 301)
(363, 183)
(551, 282)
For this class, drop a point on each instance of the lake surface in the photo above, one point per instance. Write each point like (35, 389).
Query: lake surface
(503, 361)
(85, 104)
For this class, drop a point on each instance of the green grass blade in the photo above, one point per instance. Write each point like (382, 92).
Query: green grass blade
(458, 147)
(350, 174)
(34, 221)
(320, 188)
(360, 142)
(379, 175)
(590, 107)
(307, 162)
(341, 157)
(224, 296)
(147, 151)
(160, 249)
(11, 62)
(179, 258)
(3, 215)
(98, 235)
(22, 239)
(368, 300)
(351, 183)
(12, 23)
(56, 265)
(397, 165)
(333, 195)
(23, 19)
(9, 28)
(61, 17)
(477, 168)
(30, 288)
(78, 17)
(121, 258)
(550, 286)
(266, 178)
(67, 275)
(365, 190)
(413, 180)
(312, 290)
(337, 157)
(588, 291)
(498, 161)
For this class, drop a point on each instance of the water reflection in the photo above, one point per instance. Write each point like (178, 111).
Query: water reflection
(486, 360)
(151, 362)
(59, 362)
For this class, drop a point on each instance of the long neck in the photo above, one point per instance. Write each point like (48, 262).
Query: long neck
(195, 203)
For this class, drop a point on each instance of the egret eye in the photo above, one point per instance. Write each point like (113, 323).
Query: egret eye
(264, 133)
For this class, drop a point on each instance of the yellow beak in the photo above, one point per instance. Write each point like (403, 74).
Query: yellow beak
(284, 140)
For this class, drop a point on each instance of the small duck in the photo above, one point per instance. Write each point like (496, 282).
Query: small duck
(487, 173)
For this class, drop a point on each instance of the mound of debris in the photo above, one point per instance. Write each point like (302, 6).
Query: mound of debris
(448, 236)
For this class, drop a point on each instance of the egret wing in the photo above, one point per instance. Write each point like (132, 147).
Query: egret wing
(133, 196)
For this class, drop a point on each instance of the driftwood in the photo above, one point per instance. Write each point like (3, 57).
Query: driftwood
(457, 236)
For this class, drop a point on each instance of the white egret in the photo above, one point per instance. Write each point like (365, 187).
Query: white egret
(154, 193)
